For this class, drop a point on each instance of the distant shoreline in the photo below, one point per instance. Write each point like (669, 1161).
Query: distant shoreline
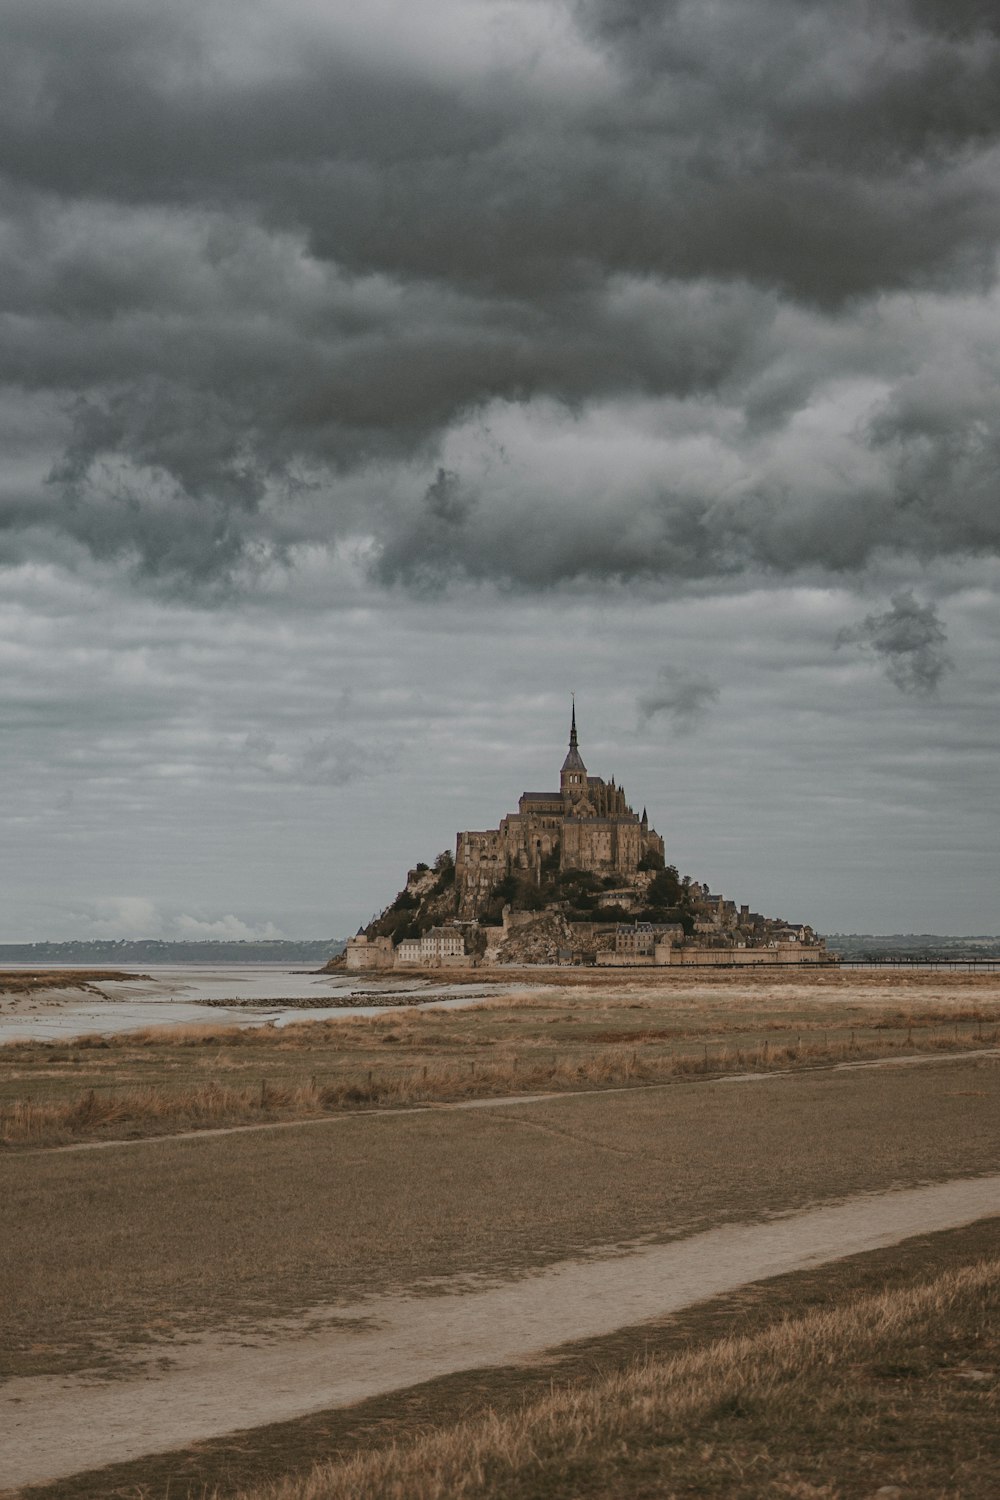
(101, 952)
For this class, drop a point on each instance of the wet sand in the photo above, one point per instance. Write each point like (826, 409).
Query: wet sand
(57, 1426)
(263, 994)
(196, 995)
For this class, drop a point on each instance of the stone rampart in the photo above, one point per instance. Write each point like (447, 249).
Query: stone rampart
(369, 953)
(781, 953)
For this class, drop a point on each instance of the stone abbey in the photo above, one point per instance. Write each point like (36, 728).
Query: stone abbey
(576, 875)
(586, 825)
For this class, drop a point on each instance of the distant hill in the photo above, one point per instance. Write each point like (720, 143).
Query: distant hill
(102, 951)
(918, 945)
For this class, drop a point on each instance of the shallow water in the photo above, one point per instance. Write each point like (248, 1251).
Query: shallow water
(175, 996)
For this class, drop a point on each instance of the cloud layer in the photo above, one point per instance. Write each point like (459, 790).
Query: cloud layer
(664, 290)
(157, 755)
(371, 376)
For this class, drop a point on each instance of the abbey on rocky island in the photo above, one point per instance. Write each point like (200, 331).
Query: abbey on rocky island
(575, 875)
(586, 825)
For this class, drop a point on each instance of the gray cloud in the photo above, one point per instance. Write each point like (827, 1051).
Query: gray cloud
(195, 739)
(909, 638)
(138, 917)
(263, 284)
(808, 170)
(683, 698)
(335, 759)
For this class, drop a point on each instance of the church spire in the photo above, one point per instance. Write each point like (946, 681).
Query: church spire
(573, 780)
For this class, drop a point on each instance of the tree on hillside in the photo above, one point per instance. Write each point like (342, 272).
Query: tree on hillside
(666, 888)
(668, 899)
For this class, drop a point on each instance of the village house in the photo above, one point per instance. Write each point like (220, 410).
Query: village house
(440, 947)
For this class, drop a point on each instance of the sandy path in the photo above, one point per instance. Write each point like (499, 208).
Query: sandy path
(53, 1427)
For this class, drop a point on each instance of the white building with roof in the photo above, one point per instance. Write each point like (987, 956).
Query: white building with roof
(437, 947)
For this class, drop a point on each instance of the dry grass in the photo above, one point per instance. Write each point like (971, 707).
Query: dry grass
(150, 1111)
(31, 981)
(129, 1112)
(836, 1403)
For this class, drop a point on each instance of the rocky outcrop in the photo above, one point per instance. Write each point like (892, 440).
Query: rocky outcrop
(539, 940)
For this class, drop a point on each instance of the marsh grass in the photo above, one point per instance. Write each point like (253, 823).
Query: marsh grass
(31, 981)
(832, 1404)
(620, 1032)
(113, 1112)
(162, 1080)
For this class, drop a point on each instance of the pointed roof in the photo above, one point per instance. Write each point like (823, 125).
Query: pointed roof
(574, 760)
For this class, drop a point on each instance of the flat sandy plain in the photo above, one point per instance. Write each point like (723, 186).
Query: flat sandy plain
(299, 1265)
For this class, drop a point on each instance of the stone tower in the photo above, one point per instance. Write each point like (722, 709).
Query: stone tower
(573, 776)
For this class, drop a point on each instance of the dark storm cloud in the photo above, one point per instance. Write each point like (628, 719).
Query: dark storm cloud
(909, 638)
(269, 264)
(805, 146)
(682, 697)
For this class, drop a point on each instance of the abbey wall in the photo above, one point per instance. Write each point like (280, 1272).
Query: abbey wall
(586, 825)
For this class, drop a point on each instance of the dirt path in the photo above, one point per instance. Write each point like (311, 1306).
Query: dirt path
(53, 1427)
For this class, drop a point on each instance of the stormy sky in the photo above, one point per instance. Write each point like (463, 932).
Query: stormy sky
(372, 377)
